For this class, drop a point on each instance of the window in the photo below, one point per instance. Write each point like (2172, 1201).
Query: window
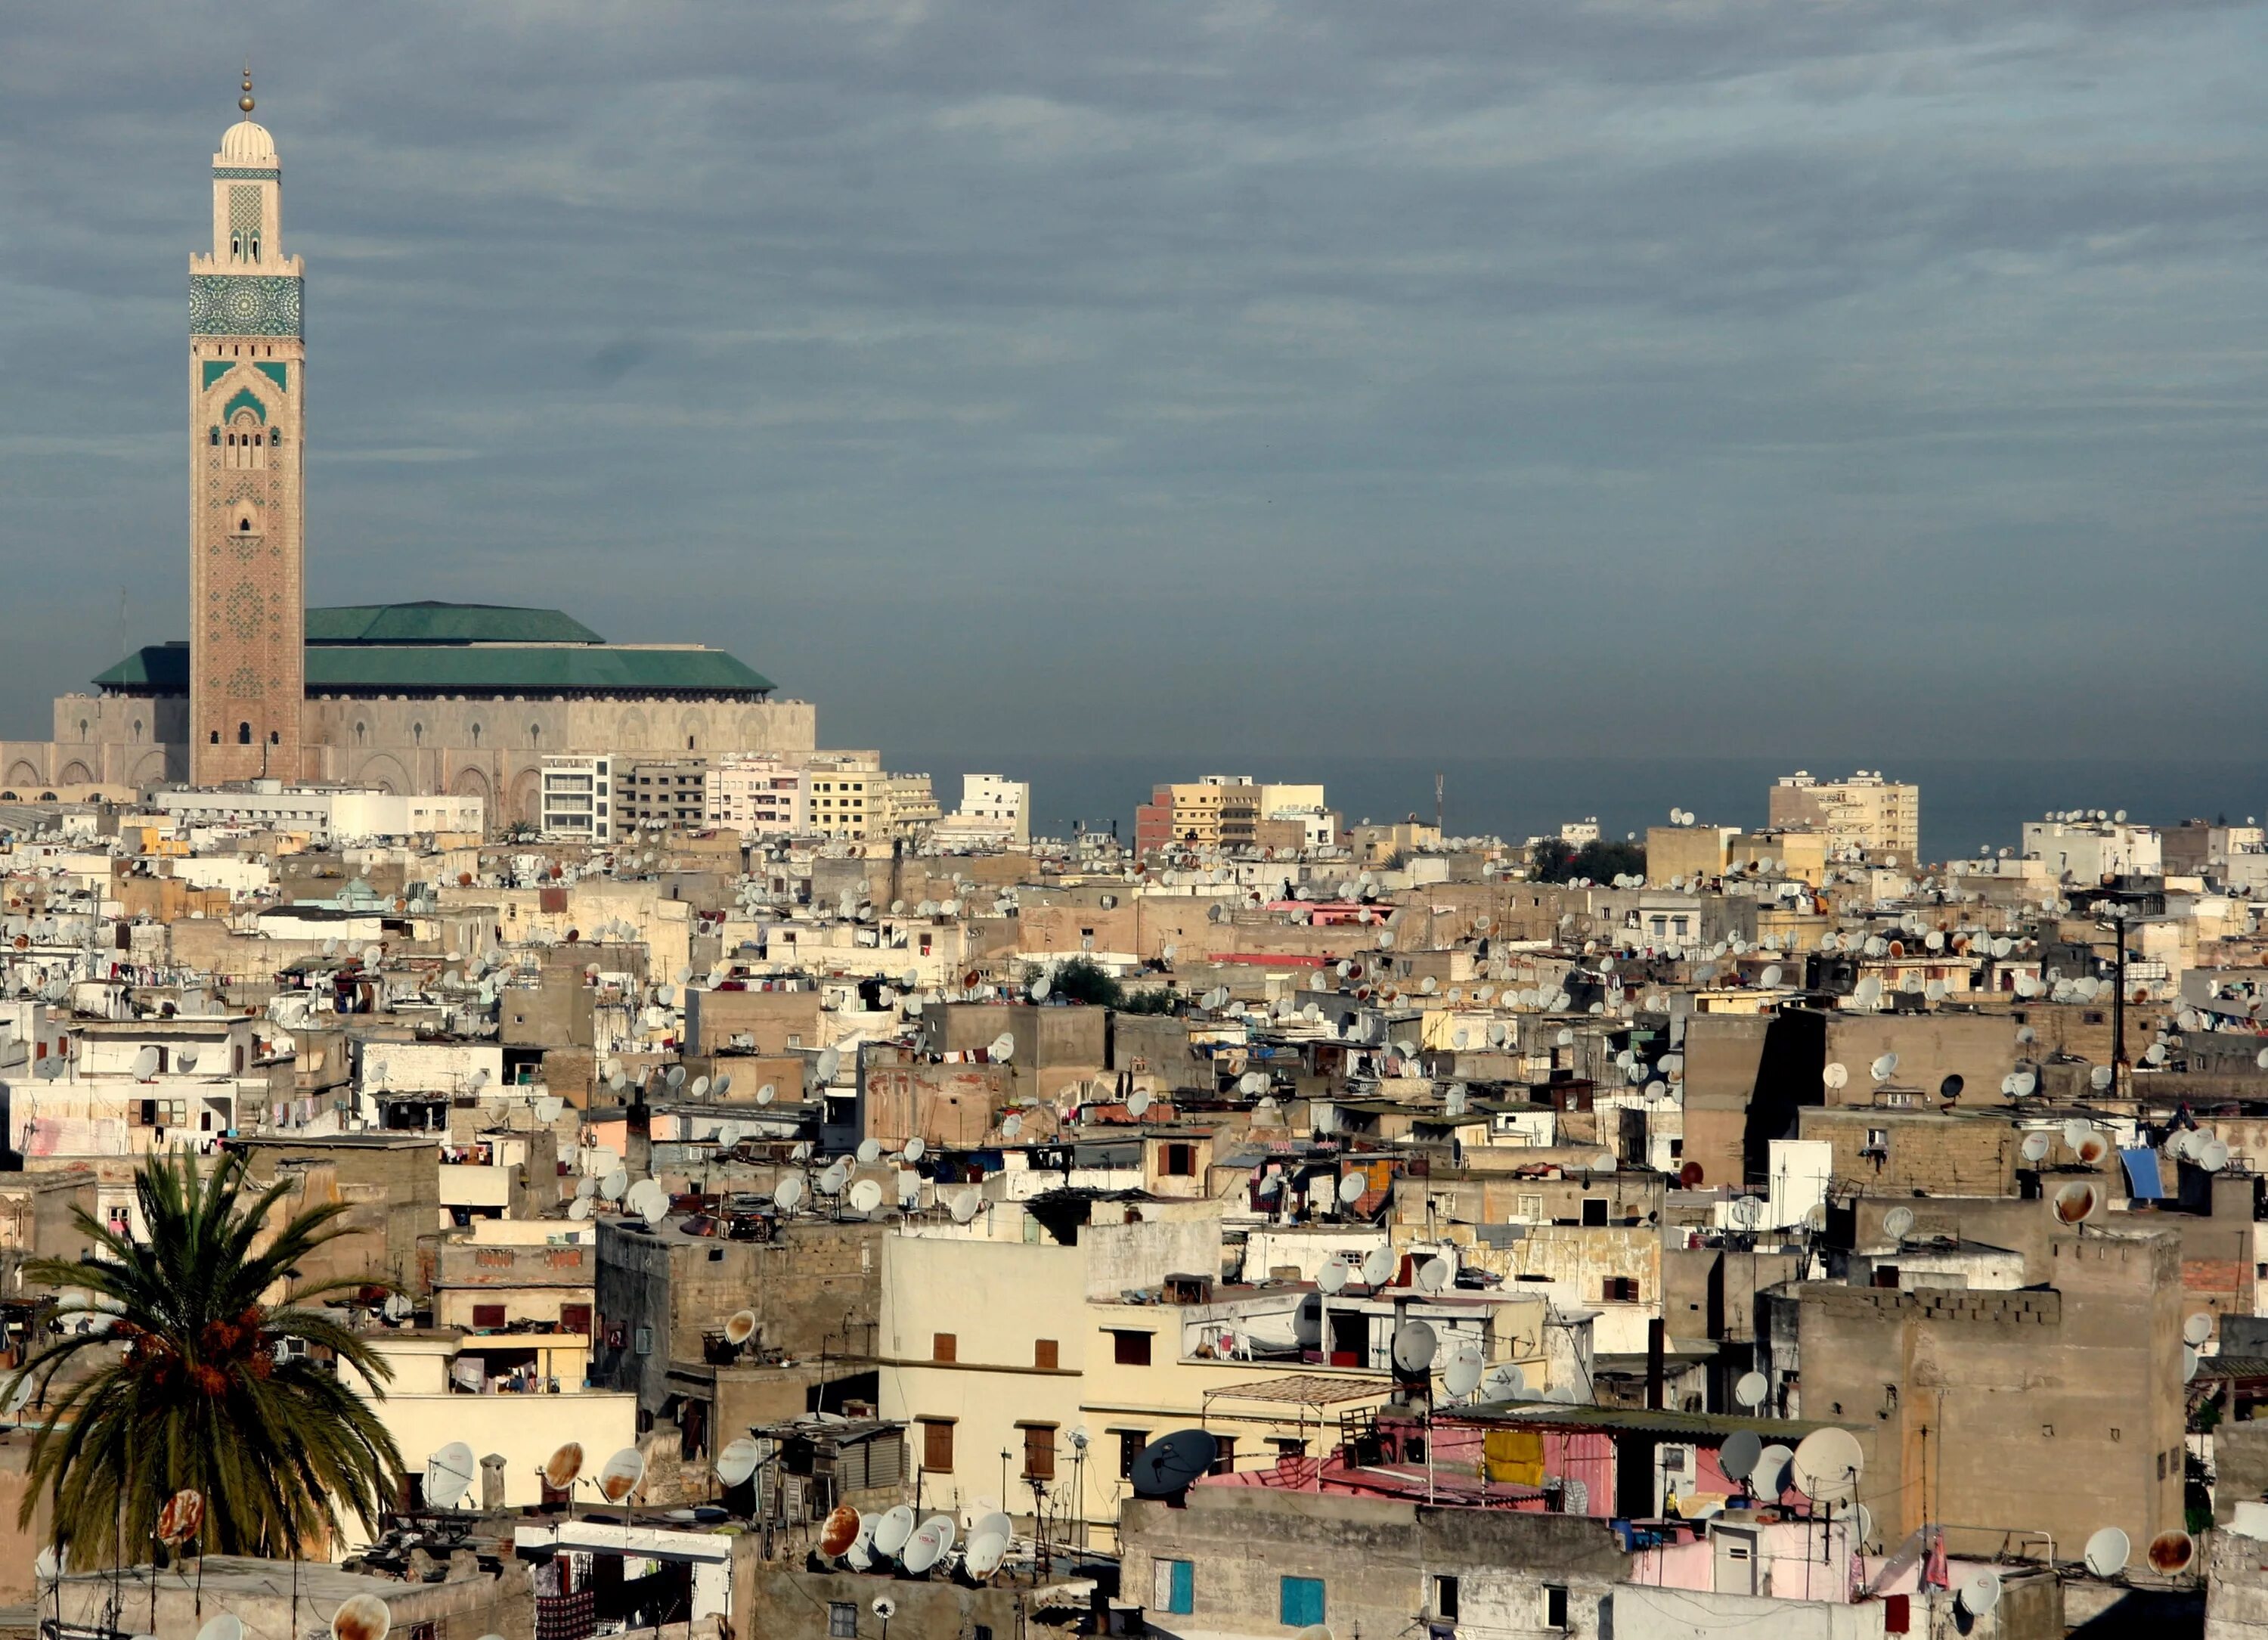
(575, 1319)
(1039, 1452)
(937, 1445)
(944, 1346)
(843, 1619)
(1181, 1161)
(645, 1340)
(1554, 1606)
(1445, 1599)
(1878, 1139)
(1174, 1587)
(1619, 1289)
(1299, 1601)
(1130, 1350)
(1594, 1210)
(1131, 1443)
(1224, 1454)
(488, 1316)
(244, 735)
(1043, 1354)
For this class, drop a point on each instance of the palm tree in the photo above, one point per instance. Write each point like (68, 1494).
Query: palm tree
(198, 1396)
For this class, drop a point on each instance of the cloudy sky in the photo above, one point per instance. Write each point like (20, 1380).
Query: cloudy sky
(1422, 377)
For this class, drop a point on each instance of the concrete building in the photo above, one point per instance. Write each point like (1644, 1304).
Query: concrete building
(758, 794)
(667, 794)
(1866, 812)
(333, 811)
(993, 811)
(1222, 812)
(577, 804)
(2085, 852)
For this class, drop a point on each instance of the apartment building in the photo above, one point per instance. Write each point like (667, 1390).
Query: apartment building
(575, 804)
(1866, 812)
(669, 793)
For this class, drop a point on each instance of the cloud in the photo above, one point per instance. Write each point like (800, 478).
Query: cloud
(1380, 375)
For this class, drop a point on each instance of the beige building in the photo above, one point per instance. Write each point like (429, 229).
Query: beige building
(1865, 812)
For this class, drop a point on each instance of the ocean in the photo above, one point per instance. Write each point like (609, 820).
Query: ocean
(1966, 804)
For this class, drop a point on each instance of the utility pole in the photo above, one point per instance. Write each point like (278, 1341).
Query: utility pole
(1438, 782)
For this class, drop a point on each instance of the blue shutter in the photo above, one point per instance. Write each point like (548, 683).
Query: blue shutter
(1184, 1590)
(1302, 1602)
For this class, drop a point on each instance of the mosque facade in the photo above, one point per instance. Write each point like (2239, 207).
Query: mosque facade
(415, 697)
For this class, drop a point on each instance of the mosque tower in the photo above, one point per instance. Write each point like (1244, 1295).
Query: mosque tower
(247, 396)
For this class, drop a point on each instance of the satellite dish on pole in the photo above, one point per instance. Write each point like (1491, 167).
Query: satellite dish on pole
(893, 1529)
(788, 1192)
(1434, 1275)
(1462, 1375)
(449, 1475)
(564, 1464)
(1332, 1277)
(620, 1474)
(1738, 1454)
(927, 1545)
(1169, 1466)
(1752, 1390)
(1769, 1478)
(740, 1327)
(1414, 1345)
(1898, 1224)
(1826, 1466)
(1980, 1593)
(1377, 1265)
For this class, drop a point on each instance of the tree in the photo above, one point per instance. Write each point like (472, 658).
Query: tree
(1552, 860)
(1083, 980)
(1151, 1000)
(197, 1397)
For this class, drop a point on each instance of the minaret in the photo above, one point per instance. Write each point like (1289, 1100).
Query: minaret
(248, 398)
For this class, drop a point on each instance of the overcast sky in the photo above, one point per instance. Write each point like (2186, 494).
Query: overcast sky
(1421, 378)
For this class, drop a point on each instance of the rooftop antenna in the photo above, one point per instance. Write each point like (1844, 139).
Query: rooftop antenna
(2108, 1551)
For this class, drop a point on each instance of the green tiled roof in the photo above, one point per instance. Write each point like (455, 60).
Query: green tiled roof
(431, 622)
(462, 649)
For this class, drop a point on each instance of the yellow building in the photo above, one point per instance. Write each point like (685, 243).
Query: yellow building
(1865, 812)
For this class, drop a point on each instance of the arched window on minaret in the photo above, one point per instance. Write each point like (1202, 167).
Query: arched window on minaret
(244, 735)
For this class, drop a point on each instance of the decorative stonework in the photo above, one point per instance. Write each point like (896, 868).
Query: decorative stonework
(242, 304)
(246, 173)
(244, 211)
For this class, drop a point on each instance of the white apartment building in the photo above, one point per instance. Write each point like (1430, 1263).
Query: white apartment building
(757, 794)
(577, 801)
(2083, 852)
(993, 811)
(337, 811)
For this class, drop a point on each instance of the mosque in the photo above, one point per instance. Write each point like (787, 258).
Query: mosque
(412, 696)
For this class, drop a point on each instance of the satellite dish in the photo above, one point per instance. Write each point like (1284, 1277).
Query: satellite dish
(965, 1206)
(1882, 1068)
(869, 1151)
(362, 1617)
(1414, 1344)
(893, 1531)
(1836, 1074)
(1462, 1375)
(1738, 1454)
(1826, 1465)
(227, 1626)
(145, 1064)
(1138, 1102)
(1898, 1224)
(788, 1192)
(398, 1307)
(564, 1464)
(649, 1199)
(2037, 1146)
(620, 1474)
(1169, 1466)
(2196, 1329)
(1377, 1265)
(2076, 1202)
(1434, 1275)
(1505, 1382)
(2214, 1157)
(832, 1181)
(2075, 1132)
(449, 1475)
(2170, 1552)
(182, 1515)
(927, 1545)
(916, 1148)
(1752, 1390)
(1769, 1478)
(740, 1327)
(1980, 1593)
(985, 1554)
(866, 1195)
(1769, 978)
(836, 1533)
(614, 1185)
(2107, 1552)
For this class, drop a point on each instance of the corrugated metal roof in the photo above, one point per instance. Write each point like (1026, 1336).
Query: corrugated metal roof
(431, 622)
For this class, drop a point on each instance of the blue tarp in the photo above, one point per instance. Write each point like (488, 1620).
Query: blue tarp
(2142, 1174)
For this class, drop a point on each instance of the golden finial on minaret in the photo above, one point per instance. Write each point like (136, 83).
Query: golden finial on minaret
(245, 101)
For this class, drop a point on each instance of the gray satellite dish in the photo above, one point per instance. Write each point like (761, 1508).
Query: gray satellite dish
(966, 1206)
(1505, 1382)
(1434, 1275)
(1377, 1265)
(2037, 1146)
(614, 1185)
(869, 1151)
(1332, 1278)
(1414, 1344)
(1898, 1223)
(916, 1148)
(737, 1462)
(1462, 1375)
(1737, 1457)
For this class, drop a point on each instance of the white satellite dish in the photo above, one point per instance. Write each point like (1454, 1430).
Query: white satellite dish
(2198, 1328)
(1434, 1275)
(983, 1556)
(549, 1107)
(866, 1195)
(2037, 1146)
(449, 1475)
(893, 1529)
(227, 1626)
(579, 1208)
(1752, 1390)
(1769, 1478)
(1898, 1224)
(1826, 1465)
(1332, 1277)
(832, 1180)
(620, 1475)
(1377, 1265)
(1835, 1075)
(788, 1192)
(1505, 1382)
(2108, 1552)
(966, 1206)
(1137, 1102)
(869, 1151)
(1462, 1375)
(1980, 1593)
(1884, 1067)
(916, 1148)
(737, 1462)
